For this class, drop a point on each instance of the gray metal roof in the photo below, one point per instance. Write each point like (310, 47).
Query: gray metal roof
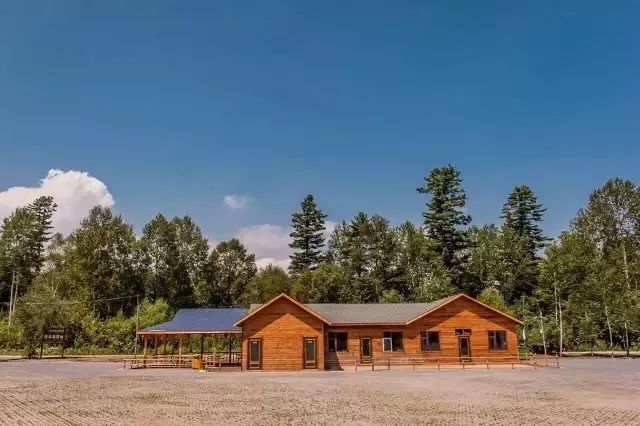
(210, 320)
(369, 313)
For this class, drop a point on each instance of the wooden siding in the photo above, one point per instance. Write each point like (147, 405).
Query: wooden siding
(282, 326)
(461, 313)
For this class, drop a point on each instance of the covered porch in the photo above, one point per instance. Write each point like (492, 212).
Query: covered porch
(203, 339)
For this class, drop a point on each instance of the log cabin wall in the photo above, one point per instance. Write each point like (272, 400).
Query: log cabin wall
(460, 313)
(282, 326)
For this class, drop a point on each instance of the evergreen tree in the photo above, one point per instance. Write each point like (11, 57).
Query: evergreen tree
(43, 209)
(308, 240)
(522, 212)
(444, 215)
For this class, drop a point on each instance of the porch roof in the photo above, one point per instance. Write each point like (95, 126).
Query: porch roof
(200, 321)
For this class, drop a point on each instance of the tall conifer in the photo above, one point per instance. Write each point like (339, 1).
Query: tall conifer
(308, 240)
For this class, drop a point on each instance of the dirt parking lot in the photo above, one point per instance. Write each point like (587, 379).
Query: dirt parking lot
(583, 391)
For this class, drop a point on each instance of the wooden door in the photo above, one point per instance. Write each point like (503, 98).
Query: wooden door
(366, 351)
(310, 352)
(255, 354)
(464, 346)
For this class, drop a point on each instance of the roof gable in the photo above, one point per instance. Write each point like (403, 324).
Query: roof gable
(459, 296)
(258, 308)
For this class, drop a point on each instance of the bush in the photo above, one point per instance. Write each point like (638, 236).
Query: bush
(10, 337)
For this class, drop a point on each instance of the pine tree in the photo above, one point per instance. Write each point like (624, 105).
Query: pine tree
(444, 215)
(307, 235)
(522, 213)
(43, 209)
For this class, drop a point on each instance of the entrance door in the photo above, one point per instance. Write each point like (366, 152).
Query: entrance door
(365, 349)
(310, 352)
(255, 354)
(464, 346)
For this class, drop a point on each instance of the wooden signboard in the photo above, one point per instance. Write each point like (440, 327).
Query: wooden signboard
(54, 336)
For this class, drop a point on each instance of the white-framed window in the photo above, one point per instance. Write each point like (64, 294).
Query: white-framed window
(392, 341)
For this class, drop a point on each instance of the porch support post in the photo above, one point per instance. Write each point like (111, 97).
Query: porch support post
(144, 350)
(201, 346)
(180, 352)
(155, 345)
(229, 361)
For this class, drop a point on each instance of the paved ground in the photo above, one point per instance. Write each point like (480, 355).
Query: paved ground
(583, 391)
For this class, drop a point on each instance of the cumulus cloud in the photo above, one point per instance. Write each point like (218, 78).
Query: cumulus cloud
(236, 201)
(74, 192)
(270, 243)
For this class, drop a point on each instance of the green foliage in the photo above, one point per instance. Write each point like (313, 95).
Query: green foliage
(229, 270)
(152, 313)
(267, 284)
(493, 297)
(103, 252)
(10, 336)
(307, 236)
(391, 296)
(445, 215)
(367, 249)
(326, 284)
(522, 213)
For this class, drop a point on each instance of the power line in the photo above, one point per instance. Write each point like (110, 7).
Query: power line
(75, 302)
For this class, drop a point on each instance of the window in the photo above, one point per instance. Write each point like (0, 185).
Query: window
(430, 340)
(463, 331)
(392, 341)
(497, 340)
(338, 342)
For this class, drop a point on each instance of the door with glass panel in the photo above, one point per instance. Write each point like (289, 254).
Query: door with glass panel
(365, 350)
(255, 354)
(310, 353)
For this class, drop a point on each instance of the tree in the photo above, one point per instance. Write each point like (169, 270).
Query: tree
(104, 254)
(267, 284)
(367, 249)
(425, 277)
(229, 270)
(18, 261)
(308, 240)
(522, 212)
(43, 209)
(328, 283)
(193, 250)
(445, 215)
(162, 275)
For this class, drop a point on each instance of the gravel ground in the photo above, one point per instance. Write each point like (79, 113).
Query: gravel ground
(593, 391)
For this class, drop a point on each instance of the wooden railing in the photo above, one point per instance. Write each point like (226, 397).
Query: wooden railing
(183, 361)
(443, 362)
(160, 361)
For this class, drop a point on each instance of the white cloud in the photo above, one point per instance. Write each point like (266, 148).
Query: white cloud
(270, 243)
(236, 201)
(74, 192)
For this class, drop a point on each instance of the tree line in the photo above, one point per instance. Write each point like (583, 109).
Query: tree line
(577, 291)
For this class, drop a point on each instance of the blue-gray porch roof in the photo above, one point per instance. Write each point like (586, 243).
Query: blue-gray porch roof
(200, 321)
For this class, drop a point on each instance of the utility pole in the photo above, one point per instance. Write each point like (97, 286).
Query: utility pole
(135, 341)
(11, 297)
(524, 328)
(544, 342)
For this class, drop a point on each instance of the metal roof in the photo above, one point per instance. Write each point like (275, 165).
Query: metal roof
(369, 313)
(201, 320)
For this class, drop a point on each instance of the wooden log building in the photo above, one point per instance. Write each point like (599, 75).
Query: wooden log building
(284, 334)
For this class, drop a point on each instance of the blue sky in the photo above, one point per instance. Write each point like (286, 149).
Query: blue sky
(174, 105)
